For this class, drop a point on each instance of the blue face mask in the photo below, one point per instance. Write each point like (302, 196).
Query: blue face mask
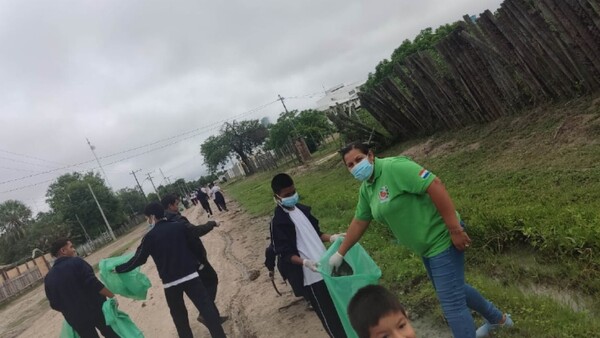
(362, 170)
(291, 201)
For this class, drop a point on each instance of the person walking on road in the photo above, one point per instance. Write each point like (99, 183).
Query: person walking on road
(73, 289)
(207, 273)
(202, 197)
(217, 195)
(177, 267)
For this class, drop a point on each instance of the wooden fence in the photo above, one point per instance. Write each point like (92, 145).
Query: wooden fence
(15, 285)
(526, 54)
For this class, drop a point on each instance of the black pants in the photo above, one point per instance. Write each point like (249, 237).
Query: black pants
(209, 278)
(319, 298)
(87, 329)
(206, 206)
(197, 293)
(220, 201)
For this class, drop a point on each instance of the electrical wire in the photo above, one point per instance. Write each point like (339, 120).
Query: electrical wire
(199, 131)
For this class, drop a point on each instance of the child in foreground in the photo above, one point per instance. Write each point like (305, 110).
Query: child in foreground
(375, 312)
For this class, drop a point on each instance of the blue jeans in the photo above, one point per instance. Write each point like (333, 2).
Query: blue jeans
(447, 273)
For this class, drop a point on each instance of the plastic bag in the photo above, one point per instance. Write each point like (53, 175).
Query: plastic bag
(342, 288)
(119, 321)
(132, 284)
(67, 331)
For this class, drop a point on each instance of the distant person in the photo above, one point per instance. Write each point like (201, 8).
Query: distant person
(375, 312)
(298, 240)
(177, 267)
(202, 197)
(416, 206)
(207, 273)
(217, 195)
(73, 289)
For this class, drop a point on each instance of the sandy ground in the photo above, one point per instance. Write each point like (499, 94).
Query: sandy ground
(236, 250)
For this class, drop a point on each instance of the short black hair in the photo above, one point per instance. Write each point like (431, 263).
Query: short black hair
(57, 245)
(363, 147)
(154, 209)
(370, 304)
(168, 200)
(281, 181)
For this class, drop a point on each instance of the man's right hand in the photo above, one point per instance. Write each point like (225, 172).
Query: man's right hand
(271, 274)
(336, 260)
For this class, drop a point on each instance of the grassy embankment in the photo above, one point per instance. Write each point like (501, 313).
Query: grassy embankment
(528, 188)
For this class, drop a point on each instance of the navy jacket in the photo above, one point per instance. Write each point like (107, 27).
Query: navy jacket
(283, 240)
(194, 243)
(73, 289)
(167, 244)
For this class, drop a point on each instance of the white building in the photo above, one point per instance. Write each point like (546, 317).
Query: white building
(344, 95)
(236, 170)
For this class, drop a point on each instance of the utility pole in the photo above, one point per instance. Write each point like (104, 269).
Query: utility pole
(85, 232)
(292, 122)
(138, 183)
(99, 164)
(112, 234)
(89, 239)
(283, 103)
(153, 186)
(164, 177)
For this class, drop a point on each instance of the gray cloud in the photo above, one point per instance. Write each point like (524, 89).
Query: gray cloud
(127, 73)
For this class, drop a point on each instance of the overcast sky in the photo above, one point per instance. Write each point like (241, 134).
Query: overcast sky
(126, 74)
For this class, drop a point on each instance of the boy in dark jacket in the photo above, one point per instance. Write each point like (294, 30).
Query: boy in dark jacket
(298, 240)
(177, 267)
(207, 273)
(73, 289)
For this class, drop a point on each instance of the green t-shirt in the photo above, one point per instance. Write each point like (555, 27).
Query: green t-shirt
(398, 197)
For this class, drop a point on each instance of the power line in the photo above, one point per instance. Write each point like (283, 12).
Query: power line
(19, 169)
(27, 186)
(29, 156)
(25, 162)
(203, 129)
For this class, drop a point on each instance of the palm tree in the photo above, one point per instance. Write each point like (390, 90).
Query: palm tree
(14, 217)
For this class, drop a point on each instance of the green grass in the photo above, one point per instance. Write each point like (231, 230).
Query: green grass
(530, 197)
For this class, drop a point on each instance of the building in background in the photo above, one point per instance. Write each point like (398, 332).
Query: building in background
(236, 170)
(344, 96)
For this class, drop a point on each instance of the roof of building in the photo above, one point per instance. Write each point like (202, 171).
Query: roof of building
(339, 94)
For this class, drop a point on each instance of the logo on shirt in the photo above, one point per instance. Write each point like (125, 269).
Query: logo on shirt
(384, 194)
(424, 173)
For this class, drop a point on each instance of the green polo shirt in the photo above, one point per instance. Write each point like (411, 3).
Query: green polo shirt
(397, 196)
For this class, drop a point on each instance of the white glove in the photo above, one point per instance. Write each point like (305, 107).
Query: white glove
(336, 260)
(312, 265)
(333, 238)
(116, 301)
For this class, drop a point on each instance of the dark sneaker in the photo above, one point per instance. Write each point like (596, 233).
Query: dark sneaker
(201, 319)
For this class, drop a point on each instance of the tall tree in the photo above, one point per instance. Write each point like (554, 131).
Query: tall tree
(216, 152)
(310, 124)
(14, 217)
(236, 138)
(131, 199)
(70, 195)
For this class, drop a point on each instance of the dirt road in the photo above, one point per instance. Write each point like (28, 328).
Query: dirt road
(236, 250)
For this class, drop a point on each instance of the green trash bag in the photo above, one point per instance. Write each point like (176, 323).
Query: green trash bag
(67, 331)
(360, 271)
(119, 321)
(132, 284)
